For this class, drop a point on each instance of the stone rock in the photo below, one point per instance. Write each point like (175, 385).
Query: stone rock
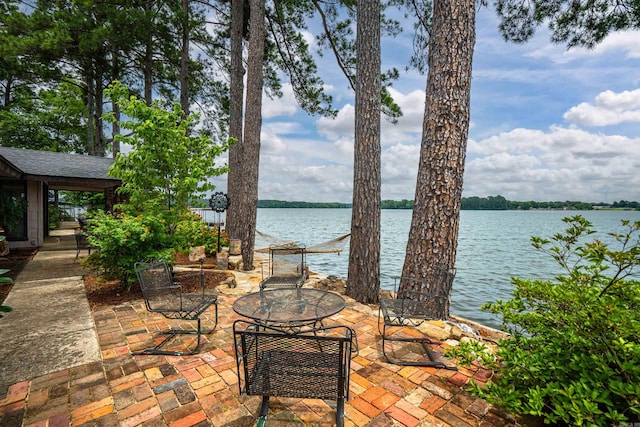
(4, 247)
(230, 282)
(332, 283)
(234, 264)
(456, 332)
(222, 261)
(433, 331)
(438, 324)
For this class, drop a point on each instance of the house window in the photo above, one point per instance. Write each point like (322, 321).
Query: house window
(13, 209)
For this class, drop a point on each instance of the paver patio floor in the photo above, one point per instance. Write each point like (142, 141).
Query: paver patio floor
(202, 390)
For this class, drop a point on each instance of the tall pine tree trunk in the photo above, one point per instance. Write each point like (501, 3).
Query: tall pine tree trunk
(100, 144)
(115, 126)
(236, 86)
(247, 208)
(148, 72)
(184, 60)
(364, 256)
(91, 112)
(433, 237)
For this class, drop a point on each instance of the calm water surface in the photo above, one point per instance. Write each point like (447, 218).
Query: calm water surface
(493, 247)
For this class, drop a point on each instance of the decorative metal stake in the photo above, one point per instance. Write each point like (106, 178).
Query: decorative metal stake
(219, 202)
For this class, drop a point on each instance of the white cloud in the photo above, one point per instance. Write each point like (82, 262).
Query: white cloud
(609, 109)
(341, 125)
(407, 129)
(558, 164)
(625, 42)
(285, 106)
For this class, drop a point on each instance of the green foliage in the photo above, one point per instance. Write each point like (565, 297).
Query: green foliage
(397, 204)
(86, 199)
(468, 352)
(12, 209)
(193, 231)
(500, 203)
(285, 204)
(576, 23)
(56, 215)
(575, 346)
(168, 165)
(5, 280)
(123, 240)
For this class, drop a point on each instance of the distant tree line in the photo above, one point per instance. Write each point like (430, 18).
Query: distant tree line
(626, 205)
(284, 204)
(496, 203)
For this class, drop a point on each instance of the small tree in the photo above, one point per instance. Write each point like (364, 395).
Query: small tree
(574, 355)
(169, 165)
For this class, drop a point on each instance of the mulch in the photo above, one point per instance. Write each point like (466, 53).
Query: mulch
(102, 293)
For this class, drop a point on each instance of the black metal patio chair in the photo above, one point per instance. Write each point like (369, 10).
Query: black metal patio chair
(414, 302)
(163, 295)
(276, 362)
(286, 267)
(82, 244)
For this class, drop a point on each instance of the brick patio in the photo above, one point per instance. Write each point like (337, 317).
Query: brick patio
(202, 390)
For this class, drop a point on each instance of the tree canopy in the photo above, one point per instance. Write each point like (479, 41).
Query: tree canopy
(574, 22)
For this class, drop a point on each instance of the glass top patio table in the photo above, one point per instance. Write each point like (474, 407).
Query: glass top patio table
(292, 306)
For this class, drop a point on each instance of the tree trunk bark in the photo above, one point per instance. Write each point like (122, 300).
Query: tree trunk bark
(115, 126)
(184, 61)
(252, 126)
(148, 73)
(364, 256)
(100, 143)
(90, 110)
(236, 86)
(433, 237)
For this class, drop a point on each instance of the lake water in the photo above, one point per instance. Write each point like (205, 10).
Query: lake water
(493, 246)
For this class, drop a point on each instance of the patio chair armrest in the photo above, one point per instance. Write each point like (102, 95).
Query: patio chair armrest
(348, 332)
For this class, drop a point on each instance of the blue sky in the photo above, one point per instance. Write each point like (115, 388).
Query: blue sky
(547, 124)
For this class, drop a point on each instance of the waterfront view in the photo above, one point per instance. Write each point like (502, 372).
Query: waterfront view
(493, 247)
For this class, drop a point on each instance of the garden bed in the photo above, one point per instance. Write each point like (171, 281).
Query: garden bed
(102, 293)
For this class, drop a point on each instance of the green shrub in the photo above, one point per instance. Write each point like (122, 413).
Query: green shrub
(124, 240)
(56, 216)
(192, 231)
(12, 210)
(574, 355)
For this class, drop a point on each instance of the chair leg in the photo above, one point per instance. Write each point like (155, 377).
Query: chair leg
(340, 412)
(422, 341)
(264, 411)
(157, 350)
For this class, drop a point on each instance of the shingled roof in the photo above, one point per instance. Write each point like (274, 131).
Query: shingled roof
(61, 171)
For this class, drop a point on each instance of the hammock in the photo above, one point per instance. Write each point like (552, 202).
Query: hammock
(332, 246)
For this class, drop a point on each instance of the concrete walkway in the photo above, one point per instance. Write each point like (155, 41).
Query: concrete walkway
(51, 326)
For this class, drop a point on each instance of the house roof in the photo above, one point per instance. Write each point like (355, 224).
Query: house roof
(61, 171)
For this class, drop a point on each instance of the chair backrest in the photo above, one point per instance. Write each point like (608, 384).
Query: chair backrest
(430, 296)
(157, 285)
(82, 242)
(273, 362)
(286, 261)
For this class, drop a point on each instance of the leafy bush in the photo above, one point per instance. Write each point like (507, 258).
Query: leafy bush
(193, 231)
(12, 209)
(574, 355)
(123, 240)
(56, 216)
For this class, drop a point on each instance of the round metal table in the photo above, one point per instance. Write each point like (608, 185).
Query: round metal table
(289, 306)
